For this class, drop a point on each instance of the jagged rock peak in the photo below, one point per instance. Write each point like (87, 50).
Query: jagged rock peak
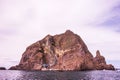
(69, 32)
(98, 53)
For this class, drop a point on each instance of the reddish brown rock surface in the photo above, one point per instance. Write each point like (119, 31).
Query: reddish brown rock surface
(66, 51)
(100, 63)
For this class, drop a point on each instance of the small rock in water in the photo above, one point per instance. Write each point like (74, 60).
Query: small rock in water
(2, 68)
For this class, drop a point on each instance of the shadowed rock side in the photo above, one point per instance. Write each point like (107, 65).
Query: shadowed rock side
(66, 51)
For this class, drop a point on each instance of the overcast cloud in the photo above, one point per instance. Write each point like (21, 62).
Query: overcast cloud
(23, 22)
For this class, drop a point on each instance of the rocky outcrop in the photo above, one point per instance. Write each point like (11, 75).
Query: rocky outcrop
(66, 51)
(2, 68)
(100, 63)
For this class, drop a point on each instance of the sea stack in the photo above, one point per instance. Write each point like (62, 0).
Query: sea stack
(66, 51)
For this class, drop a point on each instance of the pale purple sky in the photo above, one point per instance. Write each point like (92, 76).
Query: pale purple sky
(23, 22)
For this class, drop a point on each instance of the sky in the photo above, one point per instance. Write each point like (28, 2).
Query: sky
(23, 22)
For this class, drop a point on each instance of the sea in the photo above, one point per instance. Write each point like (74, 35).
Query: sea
(60, 75)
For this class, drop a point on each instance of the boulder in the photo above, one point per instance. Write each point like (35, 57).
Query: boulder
(66, 51)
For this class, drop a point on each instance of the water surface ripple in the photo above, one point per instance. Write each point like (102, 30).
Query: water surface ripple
(57, 75)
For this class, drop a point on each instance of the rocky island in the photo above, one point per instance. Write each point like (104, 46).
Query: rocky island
(2, 68)
(66, 51)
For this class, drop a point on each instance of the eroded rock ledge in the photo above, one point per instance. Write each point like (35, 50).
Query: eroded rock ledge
(66, 51)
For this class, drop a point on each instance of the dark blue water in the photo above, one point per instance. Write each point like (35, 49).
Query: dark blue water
(56, 75)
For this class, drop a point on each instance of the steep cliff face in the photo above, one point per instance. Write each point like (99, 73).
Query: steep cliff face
(66, 51)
